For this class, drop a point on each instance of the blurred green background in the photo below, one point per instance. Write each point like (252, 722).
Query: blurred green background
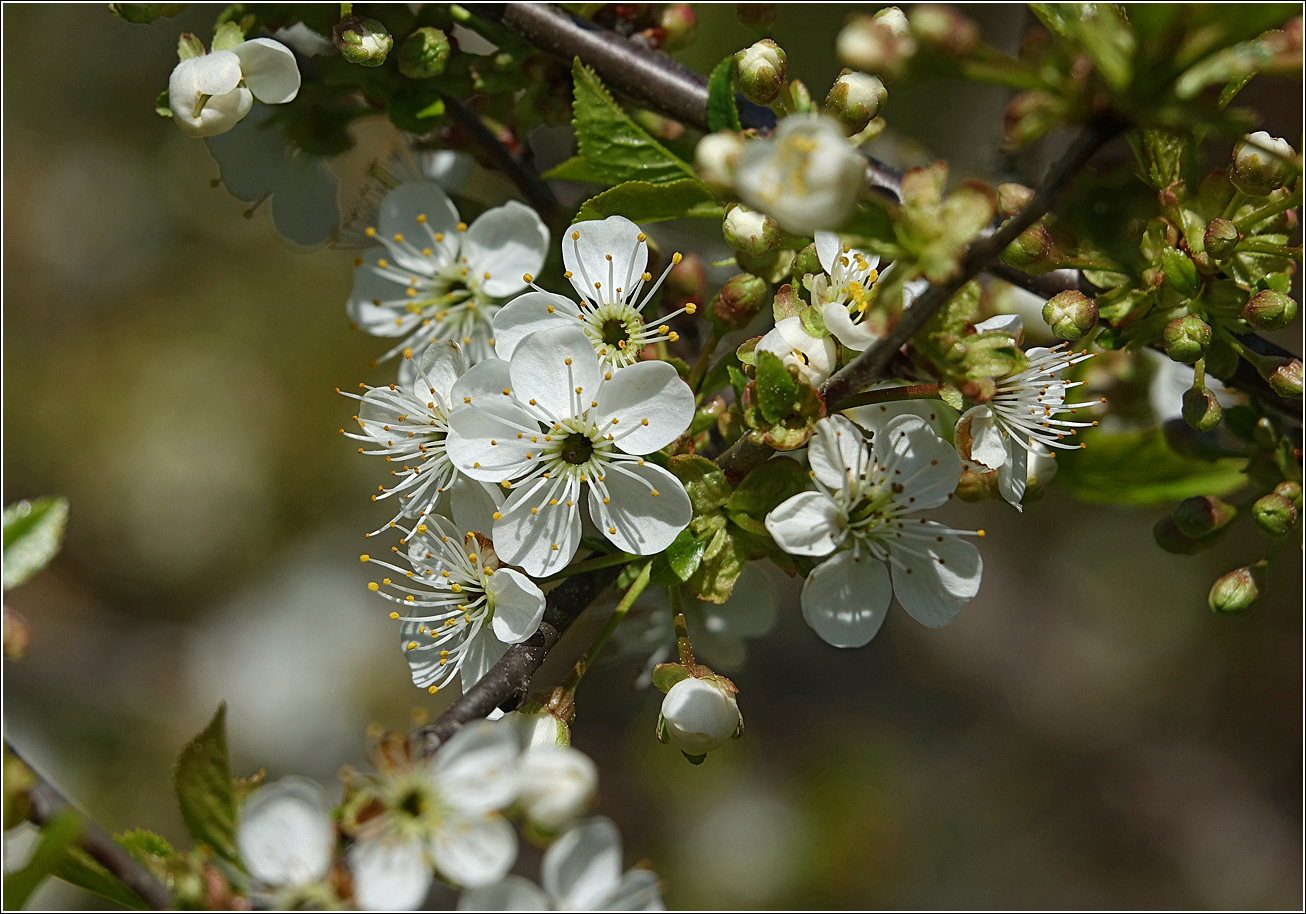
(1087, 734)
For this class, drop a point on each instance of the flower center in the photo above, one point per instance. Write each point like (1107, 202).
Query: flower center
(614, 332)
(412, 804)
(576, 448)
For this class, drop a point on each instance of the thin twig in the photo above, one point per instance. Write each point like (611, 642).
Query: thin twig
(46, 802)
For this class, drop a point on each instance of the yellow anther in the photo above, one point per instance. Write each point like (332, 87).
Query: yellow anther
(462, 226)
(433, 689)
(643, 422)
(411, 645)
(372, 585)
(575, 236)
(565, 362)
(383, 263)
(691, 308)
(399, 237)
(421, 218)
(394, 615)
(439, 236)
(363, 558)
(643, 237)
(526, 277)
(550, 308)
(370, 232)
(408, 353)
(654, 492)
(676, 258)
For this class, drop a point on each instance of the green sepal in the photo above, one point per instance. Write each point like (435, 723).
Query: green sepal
(33, 535)
(775, 387)
(814, 322)
(665, 675)
(694, 759)
(786, 303)
(1180, 271)
(56, 836)
(189, 46)
(161, 106)
(227, 36)
(203, 783)
(416, 108)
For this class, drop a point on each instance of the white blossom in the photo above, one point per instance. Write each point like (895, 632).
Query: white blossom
(807, 175)
(209, 94)
(700, 715)
(863, 515)
(460, 607)
(606, 262)
(815, 357)
(436, 278)
(843, 292)
(581, 872)
(576, 426)
(285, 833)
(556, 785)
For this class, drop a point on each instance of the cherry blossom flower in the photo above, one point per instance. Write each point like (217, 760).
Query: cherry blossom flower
(574, 425)
(863, 515)
(806, 175)
(843, 291)
(436, 278)
(285, 833)
(209, 94)
(556, 785)
(606, 263)
(461, 608)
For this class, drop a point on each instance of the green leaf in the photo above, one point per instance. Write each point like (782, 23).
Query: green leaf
(617, 148)
(723, 561)
(574, 169)
(1138, 468)
(665, 675)
(33, 534)
(202, 779)
(718, 376)
(1098, 28)
(738, 382)
(189, 46)
(778, 479)
(56, 836)
(141, 13)
(721, 111)
(144, 845)
(703, 480)
(227, 36)
(641, 202)
(775, 388)
(80, 869)
(415, 108)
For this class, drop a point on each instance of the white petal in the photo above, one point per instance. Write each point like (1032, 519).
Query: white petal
(926, 466)
(846, 598)
(584, 865)
(378, 304)
(476, 770)
(439, 367)
(285, 833)
(472, 504)
(512, 893)
(270, 70)
(389, 876)
(518, 606)
(483, 652)
(934, 574)
(638, 890)
(400, 210)
(474, 850)
(634, 519)
(700, 715)
(486, 380)
(557, 785)
(828, 249)
(542, 542)
(587, 246)
(987, 441)
(857, 336)
(304, 205)
(483, 442)
(807, 524)
(652, 407)
(1012, 473)
(836, 452)
(533, 312)
(446, 167)
(212, 74)
(1010, 324)
(548, 368)
(507, 242)
(219, 114)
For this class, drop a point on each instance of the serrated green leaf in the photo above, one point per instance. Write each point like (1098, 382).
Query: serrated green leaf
(775, 387)
(616, 148)
(33, 534)
(738, 382)
(641, 202)
(723, 561)
(227, 36)
(677, 562)
(202, 780)
(1139, 468)
(778, 479)
(574, 169)
(143, 844)
(721, 111)
(703, 480)
(665, 675)
(56, 836)
(189, 46)
(80, 869)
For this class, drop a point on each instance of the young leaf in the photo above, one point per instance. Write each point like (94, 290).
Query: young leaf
(80, 869)
(1139, 468)
(704, 482)
(765, 487)
(56, 836)
(775, 388)
(202, 780)
(227, 36)
(574, 169)
(615, 146)
(721, 111)
(640, 201)
(33, 533)
(145, 845)
(723, 561)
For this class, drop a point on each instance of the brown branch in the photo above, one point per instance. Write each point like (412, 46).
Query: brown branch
(46, 802)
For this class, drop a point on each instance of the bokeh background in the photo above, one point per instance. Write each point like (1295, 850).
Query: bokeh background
(1087, 734)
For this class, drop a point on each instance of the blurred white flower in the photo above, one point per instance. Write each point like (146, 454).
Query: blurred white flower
(285, 833)
(210, 94)
(807, 175)
(556, 785)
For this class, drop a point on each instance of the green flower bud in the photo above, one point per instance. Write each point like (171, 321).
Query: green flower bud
(750, 232)
(1235, 592)
(1071, 315)
(881, 44)
(1269, 310)
(1109, 338)
(1186, 338)
(1030, 248)
(761, 71)
(739, 300)
(362, 41)
(1286, 379)
(1274, 514)
(1255, 171)
(943, 29)
(680, 25)
(1289, 490)
(856, 98)
(1169, 537)
(759, 17)
(716, 157)
(1202, 515)
(807, 261)
(1221, 238)
(1201, 410)
(424, 53)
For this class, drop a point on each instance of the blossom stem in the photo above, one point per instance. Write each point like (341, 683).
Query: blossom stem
(632, 594)
(1273, 207)
(699, 371)
(599, 561)
(890, 394)
(683, 647)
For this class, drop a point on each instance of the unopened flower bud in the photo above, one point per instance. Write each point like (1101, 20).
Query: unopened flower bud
(424, 53)
(1235, 592)
(1286, 378)
(855, 99)
(881, 44)
(1028, 116)
(739, 300)
(1200, 409)
(943, 29)
(1202, 515)
(760, 17)
(362, 41)
(807, 261)
(1012, 198)
(716, 157)
(556, 785)
(1071, 315)
(679, 24)
(700, 715)
(1289, 490)
(749, 231)
(1260, 164)
(1221, 238)
(1186, 338)
(1168, 536)
(1029, 248)
(1274, 514)
(1269, 310)
(761, 71)
(536, 726)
